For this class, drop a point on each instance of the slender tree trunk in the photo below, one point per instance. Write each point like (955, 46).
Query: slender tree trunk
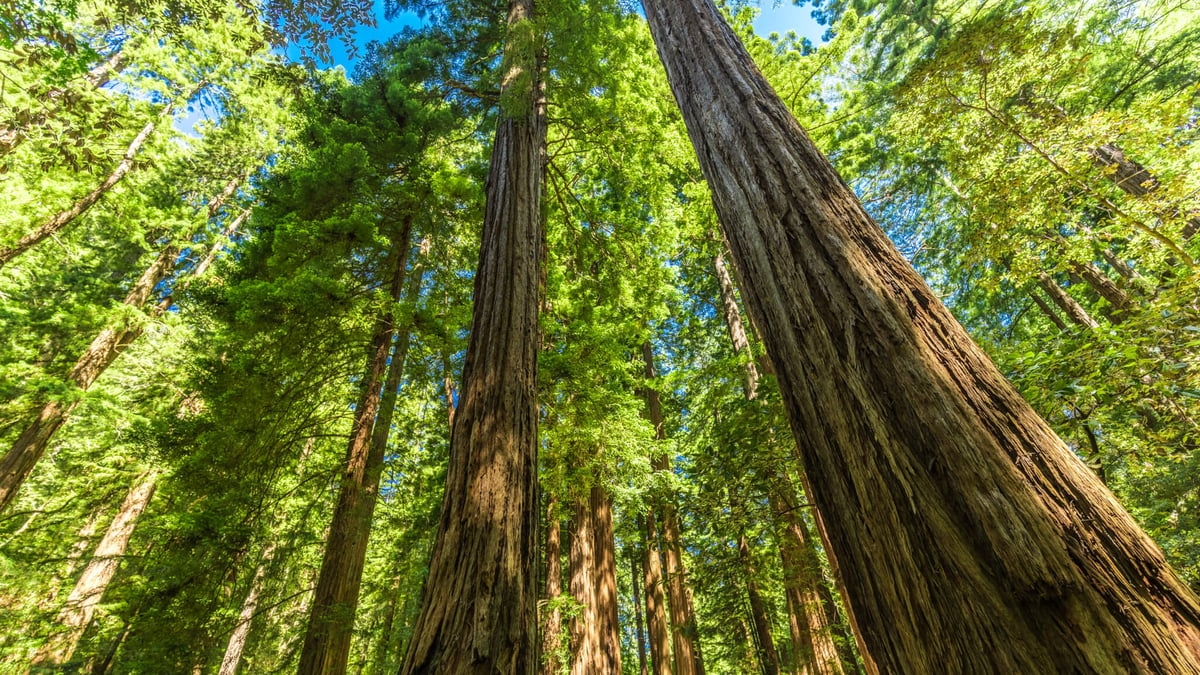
(82, 540)
(479, 609)
(656, 602)
(1107, 289)
(552, 626)
(241, 631)
(1065, 302)
(635, 579)
(688, 660)
(62, 219)
(989, 546)
(1136, 180)
(83, 600)
(331, 622)
(768, 658)
(737, 331)
(1123, 268)
(1047, 310)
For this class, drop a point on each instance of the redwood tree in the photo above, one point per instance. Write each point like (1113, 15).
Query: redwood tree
(969, 536)
(478, 611)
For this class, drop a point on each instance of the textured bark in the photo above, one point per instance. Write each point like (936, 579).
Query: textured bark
(688, 660)
(62, 219)
(83, 600)
(656, 602)
(1047, 310)
(969, 537)
(1074, 311)
(585, 627)
(768, 658)
(241, 631)
(479, 608)
(1106, 287)
(331, 620)
(1123, 268)
(552, 624)
(595, 635)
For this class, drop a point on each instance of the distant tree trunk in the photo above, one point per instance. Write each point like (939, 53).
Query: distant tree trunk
(609, 646)
(1074, 311)
(1136, 180)
(1047, 310)
(989, 546)
(812, 641)
(585, 627)
(331, 622)
(639, 626)
(62, 219)
(479, 609)
(552, 624)
(241, 630)
(82, 539)
(595, 635)
(656, 602)
(83, 600)
(768, 658)
(1107, 289)
(688, 660)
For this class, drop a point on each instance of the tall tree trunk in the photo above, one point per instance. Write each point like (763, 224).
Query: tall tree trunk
(1136, 180)
(83, 600)
(585, 627)
(768, 658)
(1074, 311)
(608, 649)
(62, 219)
(812, 641)
(639, 625)
(331, 622)
(684, 634)
(969, 537)
(552, 626)
(479, 609)
(1106, 287)
(110, 343)
(656, 602)
(241, 631)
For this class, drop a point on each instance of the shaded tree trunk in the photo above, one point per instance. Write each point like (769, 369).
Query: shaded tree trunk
(478, 613)
(1136, 180)
(684, 634)
(609, 646)
(639, 625)
(85, 597)
(595, 635)
(656, 602)
(552, 624)
(768, 658)
(241, 631)
(1047, 310)
(1019, 560)
(331, 622)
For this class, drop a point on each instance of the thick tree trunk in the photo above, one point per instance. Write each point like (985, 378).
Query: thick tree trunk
(768, 658)
(684, 634)
(585, 627)
(608, 649)
(83, 600)
(241, 631)
(656, 602)
(552, 623)
(62, 219)
(1074, 311)
(969, 537)
(335, 599)
(479, 609)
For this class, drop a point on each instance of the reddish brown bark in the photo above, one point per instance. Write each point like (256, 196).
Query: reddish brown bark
(479, 609)
(1065, 302)
(241, 630)
(331, 620)
(656, 602)
(969, 537)
(768, 658)
(552, 623)
(595, 637)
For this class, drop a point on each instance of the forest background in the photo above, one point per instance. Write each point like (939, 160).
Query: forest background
(236, 292)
